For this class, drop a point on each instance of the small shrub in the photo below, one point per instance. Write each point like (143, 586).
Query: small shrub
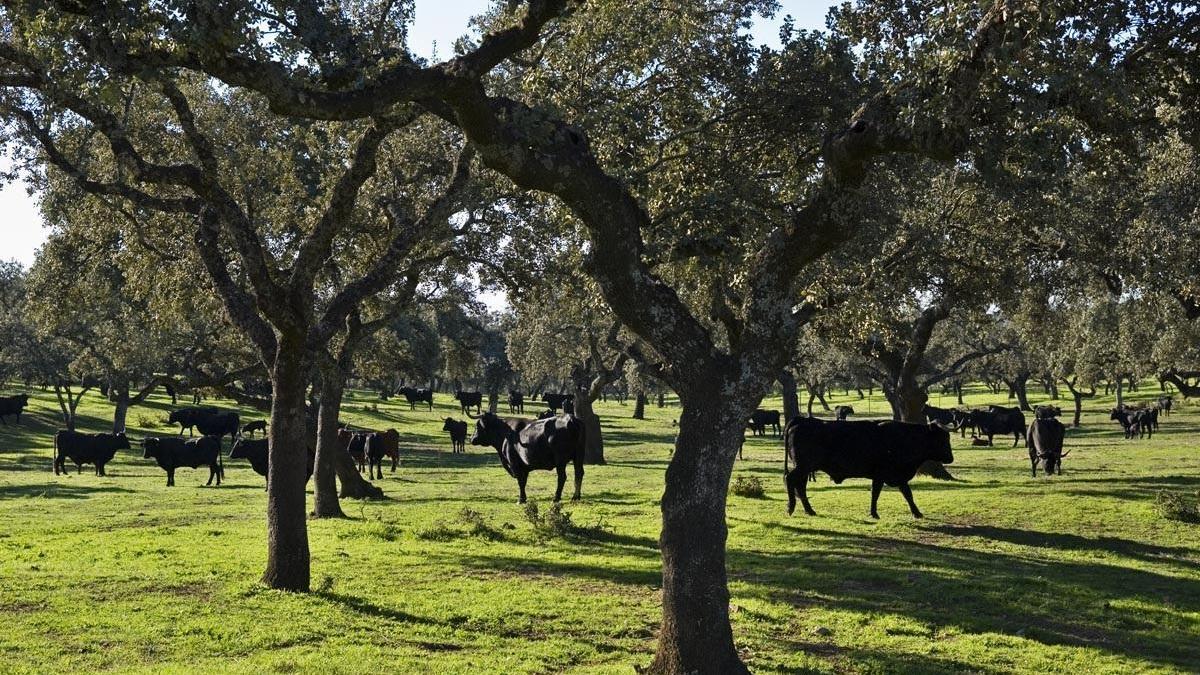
(146, 422)
(557, 522)
(372, 408)
(1178, 506)
(748, 486)
(326, 583)
(439, 532)
(478, 525)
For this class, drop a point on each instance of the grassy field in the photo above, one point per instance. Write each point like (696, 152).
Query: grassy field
(1072, 574)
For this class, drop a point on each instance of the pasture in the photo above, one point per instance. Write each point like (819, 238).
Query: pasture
(1074, 574)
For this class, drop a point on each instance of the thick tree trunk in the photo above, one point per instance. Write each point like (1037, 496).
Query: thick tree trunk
(1020, 387)
(695, 636)
(287, 527)
(662, 400)
(593, 452)
(908, 405)
(325, 494)
(958, 388)
(1078, 407)
(791, 400)
(639, 408)
(120, 412)
(1120, 387)
(820, 392)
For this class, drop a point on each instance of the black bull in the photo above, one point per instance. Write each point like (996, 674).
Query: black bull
(889, 453)
(546, 444)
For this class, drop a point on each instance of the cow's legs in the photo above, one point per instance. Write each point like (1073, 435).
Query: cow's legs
(1016, 438)
(395, 461)
(561, 470)
(78, 469)
(1033, 461)
(170, 477)
(521, 478)
(211, 474)
(912, 506)
(578, 481)
(876, 488)
(804, 490)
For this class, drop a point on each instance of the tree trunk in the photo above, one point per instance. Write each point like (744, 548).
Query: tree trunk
(639, 408)
(325, 495)
(1020, 387)
(1120, 387)
(695, 635)
(1078, 406)
(958, 391)
(287, 527)
(820, 392)
(120, 412)
(908, 405)
(662, 400)
(811, 398)
(791, 400)
(593, 452)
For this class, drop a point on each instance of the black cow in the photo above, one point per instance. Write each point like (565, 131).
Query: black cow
(219, 425)
(258, 453)
(569, 405)
(1164, 404)
(889, 453)
(1045, 442)
(98, 449)
(188, 418)
(415, 396)
(761, 419)
(997, 420)
(1135, 422)
(355, 444)
(12, 405)
(843, 411)
(380, 444)
(556, 401)
(172, 453)
(516, 402)
(940, 415)
(458, 434)
(964, 420)
(545, 444)
(250, 427)
(1046, 412)
(469, 399)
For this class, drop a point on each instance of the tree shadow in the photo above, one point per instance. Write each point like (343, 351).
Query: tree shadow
(56, 491)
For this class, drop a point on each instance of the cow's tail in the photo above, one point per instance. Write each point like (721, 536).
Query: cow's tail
(55, 466)
(787, 450)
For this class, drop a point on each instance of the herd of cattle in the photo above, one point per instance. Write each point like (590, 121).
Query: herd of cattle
(887, 453)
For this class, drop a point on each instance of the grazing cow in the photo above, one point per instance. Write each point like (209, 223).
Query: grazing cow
(188, 418)
(964, 420)
(378, 445)
(545, 444)
(1164, 404)
(97, 449)
(889, 453)
(546, 414)
(172, 453)
(569, 405)
(1045, 442)
(220, 425)
(250, 427)
(415, 396)
(939, 415)
(516, 402)
(1046, 412)
(556, 401)
(997, 420)
(12, 405)
(761, 419)
(469, 399)
(1135, 422)
(258, 453)
(843, 411)
(458, 434)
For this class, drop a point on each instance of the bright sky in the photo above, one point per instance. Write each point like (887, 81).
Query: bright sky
(21, 231)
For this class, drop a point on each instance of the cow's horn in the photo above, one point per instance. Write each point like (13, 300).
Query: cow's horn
(468, 414)
(1065, 453)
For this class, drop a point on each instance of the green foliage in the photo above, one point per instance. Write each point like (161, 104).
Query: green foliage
(1178, 506)
(748, 486)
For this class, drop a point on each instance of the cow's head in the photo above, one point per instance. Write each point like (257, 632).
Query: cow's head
(149, 448)
(122, 441)
(1118, 415)
(448, 424)
(238, 451)
(490, 430)
(939, 444)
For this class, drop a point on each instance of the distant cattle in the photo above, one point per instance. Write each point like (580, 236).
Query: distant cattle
(12, 405)
(249, 428)
(1045, 442)
(1164, 404)
(889, 453)
(1045, 412)
(415, 396)
(545, 444)
(469, 399)
(568, 406)
(761, 419)
(940, 415)
(354, 443)
(219, 425)
(80, 448)
(516, 402)
(1138, 423)
(997, 421)
(172, 453)
(841, 412)
(458, 434)
(187, 418)
(378, 445)
(258, 453)
(555, 401)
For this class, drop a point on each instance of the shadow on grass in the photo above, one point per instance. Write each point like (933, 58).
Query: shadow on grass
(57, 491)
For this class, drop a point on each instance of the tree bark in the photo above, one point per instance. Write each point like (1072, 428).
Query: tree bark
(120, 412)
(791, 399)
(1120, 387)
(695, 635)
(1019, 386)
(287, 528)
(593, 452)
(639, 408)
(325, 494)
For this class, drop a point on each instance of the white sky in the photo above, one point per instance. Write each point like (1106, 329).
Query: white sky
(21, 230)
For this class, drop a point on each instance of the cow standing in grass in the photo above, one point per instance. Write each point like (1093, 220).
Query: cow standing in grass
(889, 453)
(458, 434)
(414, 396)
(257, 451)
(174, 453)
(546, 444)
(380, 444)
(469, 399)
(81, 448)
(187, 418)
(12, 405)
(1045, 442)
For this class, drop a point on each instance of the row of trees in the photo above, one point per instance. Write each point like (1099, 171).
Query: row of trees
(916, 164)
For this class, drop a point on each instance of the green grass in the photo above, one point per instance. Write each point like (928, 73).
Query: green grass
(1073, 574)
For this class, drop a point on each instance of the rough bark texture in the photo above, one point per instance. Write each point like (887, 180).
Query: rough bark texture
(639, 407)
(287, 528)
(325, 495)
(791, 399)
